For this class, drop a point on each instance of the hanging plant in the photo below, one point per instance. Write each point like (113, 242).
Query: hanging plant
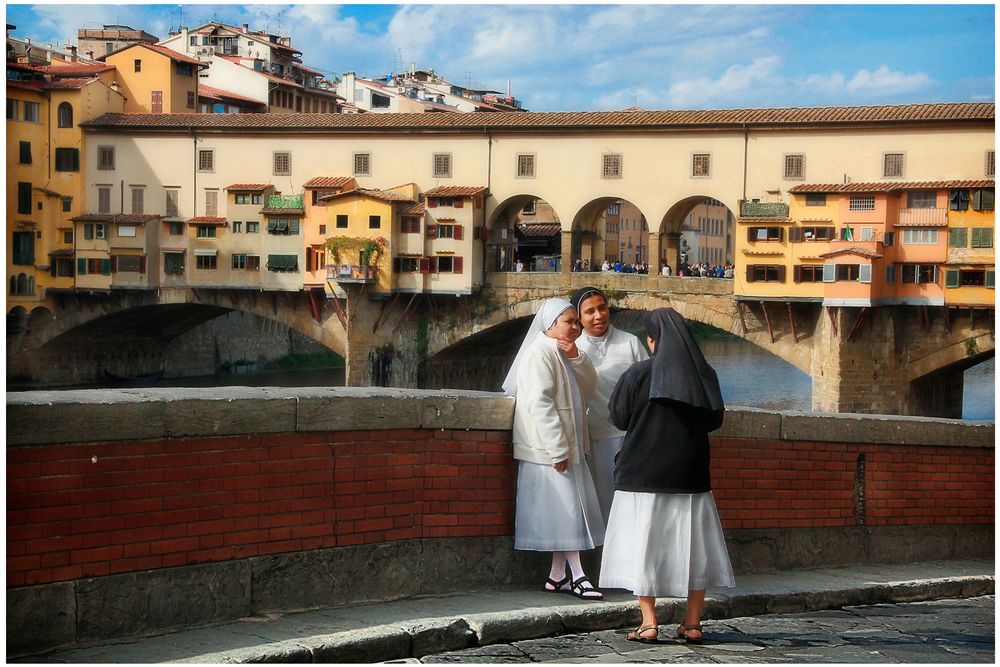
(369, 250)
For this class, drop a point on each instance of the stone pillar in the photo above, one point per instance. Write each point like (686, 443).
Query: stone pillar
(566, 249)
(671, 252)
(654, 255)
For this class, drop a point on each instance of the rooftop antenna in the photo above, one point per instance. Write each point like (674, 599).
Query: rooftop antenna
(635, 99)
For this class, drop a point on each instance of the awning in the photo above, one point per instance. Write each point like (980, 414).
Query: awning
(204, 252)
(283, 262)
(544, 229)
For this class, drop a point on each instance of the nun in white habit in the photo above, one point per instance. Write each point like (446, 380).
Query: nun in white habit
(557, 506)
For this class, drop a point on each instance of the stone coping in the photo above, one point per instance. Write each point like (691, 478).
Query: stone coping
(101, 415)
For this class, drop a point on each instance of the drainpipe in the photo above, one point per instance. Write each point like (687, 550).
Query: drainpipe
(194, 172)
(746, 144)
(489, 174)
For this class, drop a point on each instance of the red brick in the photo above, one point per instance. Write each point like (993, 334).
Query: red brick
(174, 545)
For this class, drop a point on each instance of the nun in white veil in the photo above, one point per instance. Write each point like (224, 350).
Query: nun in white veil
(557, 506)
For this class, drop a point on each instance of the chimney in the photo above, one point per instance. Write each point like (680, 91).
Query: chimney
(246, 27)
(72, 54)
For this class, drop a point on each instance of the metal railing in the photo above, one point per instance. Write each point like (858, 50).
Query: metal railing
(353, 273)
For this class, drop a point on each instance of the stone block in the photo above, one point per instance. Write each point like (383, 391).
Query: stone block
(438, 635)
(478, 410)
(40, 618)
(373, 644)
(600, 616)
(82, 415)
(139, 603)
(227, 411)
(446, 561)
(367, 408)
(885, 429)
(752, 423)
(497, 628)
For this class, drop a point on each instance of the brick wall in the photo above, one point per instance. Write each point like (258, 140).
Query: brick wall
(94, 509)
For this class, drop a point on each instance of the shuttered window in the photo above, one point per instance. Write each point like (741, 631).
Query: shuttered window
(106, 157)
(25, 152)
(67, 159)
(24, 197)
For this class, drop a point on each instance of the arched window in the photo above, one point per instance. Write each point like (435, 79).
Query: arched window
(65, 115)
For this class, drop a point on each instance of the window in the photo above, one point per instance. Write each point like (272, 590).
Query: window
(24, 248)
(65, 115)
(183, 69)
(867, 233)
(410, 224)
(173, 263)
(958, 200)
(22, 285)
(808, 273)
(862, 203)
(442, 165)
(283, 226)
(795, 166)
(965, 278)
(126, 231)
(380, 101)
(256, 199)
(156, 101)
(765, 273)
(341, 222)
(237, 226)
(24, 152)
(816, 200)
(211, 203)
(283, 262)
(446, 264)
(991, 163)
(892, 165)
(407, 265)
(67, 159)
(241, 198)
(374, 222)
(128, 263)
(921, 199)
(190, 99)
(982, 237)
(67, 206)
(104, 199)
(315, 258)
(172, 197)
(32, 112)
(446, 231)
(24, 197)
(701, 165)
(282, 163)
(106, 157)
(138, 195)
(94, 231)
(322, 229)
(62, 267)
(253, 227)
(526, 165)
(920, 236)
(806, 234)
(848, 271)
(611, 165)
(206, 232)
(239, 262)
(193, 40)
(918, 273)
(137, 65)
(982, 200)
(890, 274)
(888, 239)
(764, 234)
(11, 109)
(206, 159)
(206, 262)
(176, 228)
(362, 164)
(958, 237)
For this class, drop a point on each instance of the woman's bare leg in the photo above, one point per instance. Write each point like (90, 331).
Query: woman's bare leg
(692, 617)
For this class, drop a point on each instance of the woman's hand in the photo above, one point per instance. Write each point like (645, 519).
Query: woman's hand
(568, 345)
(561, 466)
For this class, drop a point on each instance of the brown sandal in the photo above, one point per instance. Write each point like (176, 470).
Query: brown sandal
(683, 630)
(636, 635)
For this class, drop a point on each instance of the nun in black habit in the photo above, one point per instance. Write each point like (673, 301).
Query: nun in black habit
(664, 537)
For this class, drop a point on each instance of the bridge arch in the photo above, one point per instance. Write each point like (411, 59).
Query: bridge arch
(609, 228)
(523, 226)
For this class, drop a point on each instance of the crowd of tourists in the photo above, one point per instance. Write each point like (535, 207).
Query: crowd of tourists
(613, 450)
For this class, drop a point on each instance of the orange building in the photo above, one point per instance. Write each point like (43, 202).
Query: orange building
(155, 79)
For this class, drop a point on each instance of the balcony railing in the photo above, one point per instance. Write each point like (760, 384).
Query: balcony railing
(352, 273)
(935, 216)
(756, 209)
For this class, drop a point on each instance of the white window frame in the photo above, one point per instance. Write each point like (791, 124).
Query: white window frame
(990, 166)
(127, 231)
(863, 202)
(920, 236)
(106, 158)
(902, 164)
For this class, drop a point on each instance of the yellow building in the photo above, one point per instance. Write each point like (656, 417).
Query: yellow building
(155, 79)
(970, 268)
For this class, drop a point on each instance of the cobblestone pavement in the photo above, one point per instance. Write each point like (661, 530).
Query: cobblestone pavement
(944, 631)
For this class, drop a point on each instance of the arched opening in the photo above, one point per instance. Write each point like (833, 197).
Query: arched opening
(65, 115)
(697, 236)
(524, 235)
(611, 230)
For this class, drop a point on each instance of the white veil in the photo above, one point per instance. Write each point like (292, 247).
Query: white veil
(544, 318)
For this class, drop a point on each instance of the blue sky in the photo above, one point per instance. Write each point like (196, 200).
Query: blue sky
(583, 57)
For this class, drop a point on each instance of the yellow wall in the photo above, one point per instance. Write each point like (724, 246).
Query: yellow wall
(157, 73)
(358, 208)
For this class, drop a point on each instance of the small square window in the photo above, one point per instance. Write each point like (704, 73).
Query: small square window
(374, 222)
(795, 166)
(206, 159)
(362, 164)
(282, 163)
(816, 200)
(525, 165)
(442, 165)
(892, 165)
(341, 222)
(701, 165)
(611, 165)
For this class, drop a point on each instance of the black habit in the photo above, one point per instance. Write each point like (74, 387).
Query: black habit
(667, 405)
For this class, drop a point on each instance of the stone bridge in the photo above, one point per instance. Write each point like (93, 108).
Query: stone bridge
(886, 360)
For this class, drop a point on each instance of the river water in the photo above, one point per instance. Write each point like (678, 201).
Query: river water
(749, 377)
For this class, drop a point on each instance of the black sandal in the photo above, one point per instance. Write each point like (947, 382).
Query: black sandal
(683, 630)
(578, 589)
(557, 586)
(636, 635)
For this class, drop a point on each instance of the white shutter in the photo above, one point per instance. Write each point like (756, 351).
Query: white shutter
(829, 273)
(865, 273)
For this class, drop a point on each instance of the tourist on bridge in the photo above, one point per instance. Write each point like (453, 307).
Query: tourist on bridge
(612, 352)
(664, 534)
(557, 508)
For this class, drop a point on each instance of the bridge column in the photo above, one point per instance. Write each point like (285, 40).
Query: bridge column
(566, 249)
(654, 254)
(672, 250)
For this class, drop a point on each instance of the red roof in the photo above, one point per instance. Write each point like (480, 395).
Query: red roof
(374, 194)
(117, 218)
(76, 69)
(536, 229)
(329, 182)
(863, 252)
(162, 50)
(248, 187)
(283, 211)
(212, 92)
(68, 83)
(26, 85)
(889, 186)
(455, 191)
(207, 220)
(413, 209)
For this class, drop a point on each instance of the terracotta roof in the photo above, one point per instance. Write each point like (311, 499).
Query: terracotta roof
(47, 191)
(734, 119)
(413, 209)
(283, 211)
(67, 83)
(212, 92)
(535, 229)
(207, 220)
(763, 252)
(941, 223)
(76, 69)
(249, 187)
(117, 218)
(62, 252)
(863, 252)
(455, 191)
(374, 194)
(329, 182)
(889, 186)
(156, 48)
(26, 85)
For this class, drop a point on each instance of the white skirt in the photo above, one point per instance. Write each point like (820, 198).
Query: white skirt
(601, 462)
(665, 544)
(556, 511)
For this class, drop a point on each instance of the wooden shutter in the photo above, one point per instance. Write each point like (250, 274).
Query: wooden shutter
(425, 265)
(459, 202)
(456, 264)
(81, 266)
(432, 231)
(157, 101)
(395, 264)
(458, 232)
(106, 267)
(432, 202)
(88, 231)
(750, 268)
(951, 278)
(991, 278)
(114, 263)
(781, 273)
(309, 261)
(751, 234)
(797, 273)
(142, 264)
(795, 236)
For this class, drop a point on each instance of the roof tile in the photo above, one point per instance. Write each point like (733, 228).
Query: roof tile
(117, 218)
(329, 182)
(248, 187)
(207, 220)
(888, 186)
(455, 191)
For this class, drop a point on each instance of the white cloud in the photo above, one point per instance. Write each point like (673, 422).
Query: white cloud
(737, 82)
(885, 81)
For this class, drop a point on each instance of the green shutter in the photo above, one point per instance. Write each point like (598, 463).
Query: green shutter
(106, 267)
(951, 278)
(81, 266)
(958, 237)
(991, 278)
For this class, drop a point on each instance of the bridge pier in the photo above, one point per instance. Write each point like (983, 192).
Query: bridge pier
(672, 250)
(654, 254)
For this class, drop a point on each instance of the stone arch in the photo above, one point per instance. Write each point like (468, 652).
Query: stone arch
(669, 233)
(593, 240)
(960, 355)
(515, 234)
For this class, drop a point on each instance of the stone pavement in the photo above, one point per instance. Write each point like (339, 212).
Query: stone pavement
(505, 620)
(945, 631)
